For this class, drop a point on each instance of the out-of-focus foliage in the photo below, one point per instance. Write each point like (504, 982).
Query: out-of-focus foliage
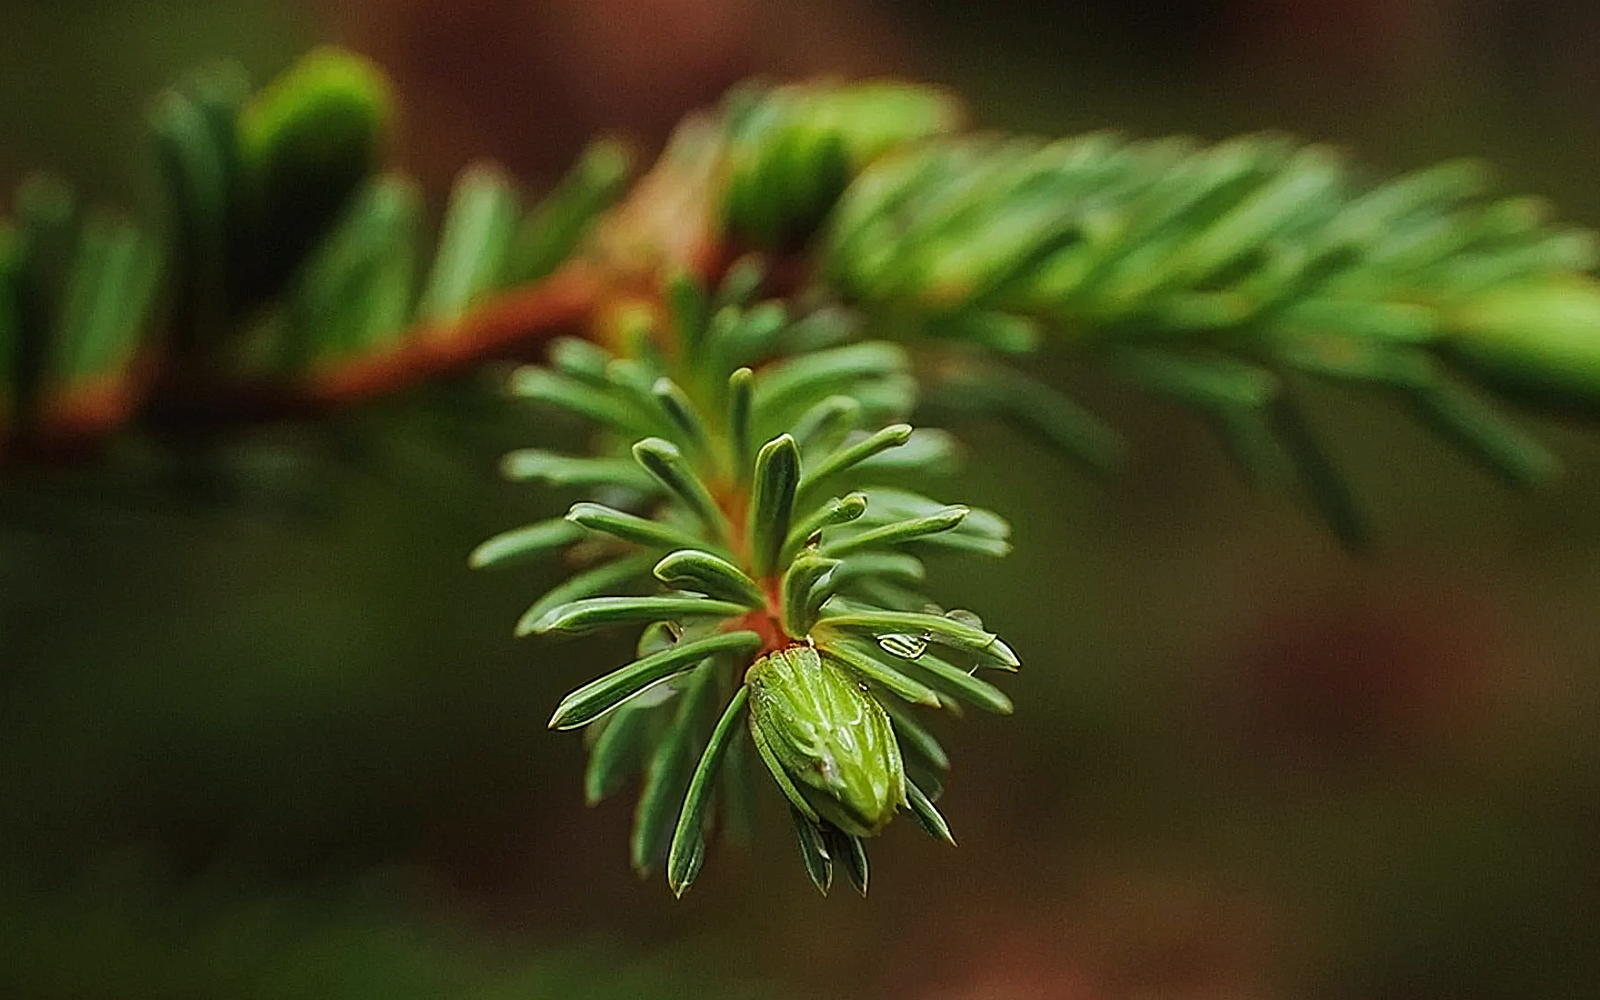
(1214, 274)
(287, 262)
(792, 150)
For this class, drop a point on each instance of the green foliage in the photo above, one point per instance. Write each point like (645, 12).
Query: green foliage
(107, 293)
(756, 494)
(1534, 339)
(551, 231)
(750, 542)
(792, 150)
(352, 296)
(77, 295)
(783, 475)
(827, 740)
(285, 256)
(364, 311)
(1217, 274)
(302, 146)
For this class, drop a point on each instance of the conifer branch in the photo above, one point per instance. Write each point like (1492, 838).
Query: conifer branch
(752, 326)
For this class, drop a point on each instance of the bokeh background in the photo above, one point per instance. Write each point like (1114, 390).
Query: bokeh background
(263, 735)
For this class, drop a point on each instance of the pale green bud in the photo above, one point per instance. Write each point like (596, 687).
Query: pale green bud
(826, 740)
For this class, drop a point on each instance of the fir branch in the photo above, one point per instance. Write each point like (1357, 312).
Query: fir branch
(751, 578)
(755, 449)
(1257, 253)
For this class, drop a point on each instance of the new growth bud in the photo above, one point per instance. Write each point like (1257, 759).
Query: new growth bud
(826, 740)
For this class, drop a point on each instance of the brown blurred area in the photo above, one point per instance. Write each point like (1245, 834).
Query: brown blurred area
(529, 83)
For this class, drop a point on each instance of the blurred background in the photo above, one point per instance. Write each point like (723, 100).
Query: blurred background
(263, 735)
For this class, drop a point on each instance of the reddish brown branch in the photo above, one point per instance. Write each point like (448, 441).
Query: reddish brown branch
(515, 325)
(664, 226)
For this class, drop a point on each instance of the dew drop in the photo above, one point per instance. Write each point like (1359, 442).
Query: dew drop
(965, 617)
